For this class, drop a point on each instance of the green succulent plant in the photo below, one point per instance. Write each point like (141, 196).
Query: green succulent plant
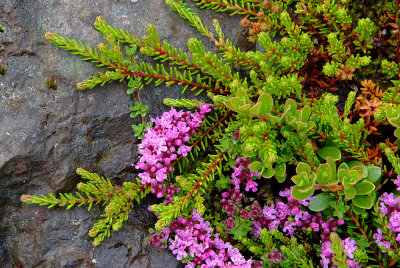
(393, 117)
(354, 181)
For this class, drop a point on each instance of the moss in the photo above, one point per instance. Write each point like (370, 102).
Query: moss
(3, 70)
(111, 153)
(51, 84)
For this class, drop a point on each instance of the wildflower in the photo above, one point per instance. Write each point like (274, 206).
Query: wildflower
(397, 182)
(275, 256)
(327, 253)
(389, 199)
(394, 222)
(163, 143)
(379, 239)
(194, 238)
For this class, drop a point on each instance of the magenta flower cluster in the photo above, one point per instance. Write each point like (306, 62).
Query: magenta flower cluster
(349, 248)
(163, 144)
(241, 174)
(195, 243)
(275, 256)
(285, 216)
(389, 206)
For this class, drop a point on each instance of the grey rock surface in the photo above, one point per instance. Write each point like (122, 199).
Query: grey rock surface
(45, 134)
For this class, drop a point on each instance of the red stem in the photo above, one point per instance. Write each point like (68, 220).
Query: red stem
(365, 235)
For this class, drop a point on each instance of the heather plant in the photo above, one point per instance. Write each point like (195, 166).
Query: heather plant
(290, 161)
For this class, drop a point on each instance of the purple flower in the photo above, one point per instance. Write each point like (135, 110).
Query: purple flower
(397, 182)
(282, 210)
(194, 237)
(256, 230)
(204, 108)
(394, 222)
(289, 227)
(379, 239)
(183, 150)
(161, 174)
(314, 226)
(161, 144)
(275, 256)
(383, 209)
(274, 224)
(349, 247)
(269, 212)
(251, 185)
(182, 127)
(389, 199)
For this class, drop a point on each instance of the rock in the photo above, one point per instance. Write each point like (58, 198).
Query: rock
(47, 132)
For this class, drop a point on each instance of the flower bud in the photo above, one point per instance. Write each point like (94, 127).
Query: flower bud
(25, 198)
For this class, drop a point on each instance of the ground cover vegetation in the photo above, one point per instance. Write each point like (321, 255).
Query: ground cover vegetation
(293, 160)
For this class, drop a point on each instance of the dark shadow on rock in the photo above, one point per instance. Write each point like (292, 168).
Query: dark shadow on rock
(48, 132)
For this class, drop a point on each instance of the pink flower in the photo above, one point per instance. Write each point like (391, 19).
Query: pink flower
(160, 145)
(251, 185)
(204, 108)
(397, 182)
(389, 199)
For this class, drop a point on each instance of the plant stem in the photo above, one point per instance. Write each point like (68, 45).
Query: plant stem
(361, 230)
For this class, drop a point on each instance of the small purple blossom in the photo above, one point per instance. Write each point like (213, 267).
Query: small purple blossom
(194, 239)
(163, 143)
(389, 199)
(394, 222)
(275, 256)
(397, 182)
(379, 239)
(327, 254)
(389, 207)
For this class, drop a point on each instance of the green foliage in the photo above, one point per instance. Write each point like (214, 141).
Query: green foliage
(339, 208)
(338, 251)
(393, 159)
(192, 199)
(138, 109)
(242, 227)
(321, 202)
(304, 181)
(118, 202)
(393, 117)
(355, 182)
(283, 108)
(364, 30)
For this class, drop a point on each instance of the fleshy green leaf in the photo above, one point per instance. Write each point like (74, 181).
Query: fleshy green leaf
(301, 194)
(280, 169)
(397, 133)
(363, 201)
(364, 187)
(320, 202)
(263, 106)
(350, 193)
(303, 167)
(268, 173)
(357, 209)
(324, 174)
(374, 174)
(330, 151)
(255, 166)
